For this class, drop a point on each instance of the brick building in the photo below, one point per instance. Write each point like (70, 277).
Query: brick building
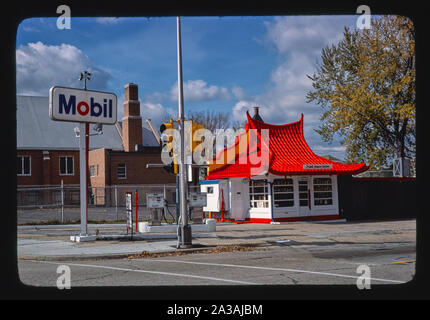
(128, 166)
(48, 151)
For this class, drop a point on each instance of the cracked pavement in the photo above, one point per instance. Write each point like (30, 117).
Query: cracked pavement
(293, 254)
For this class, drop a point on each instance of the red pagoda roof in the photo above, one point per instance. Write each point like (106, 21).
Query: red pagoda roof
(285, 148)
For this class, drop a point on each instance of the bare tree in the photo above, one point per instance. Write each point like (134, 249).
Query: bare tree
(211, 120)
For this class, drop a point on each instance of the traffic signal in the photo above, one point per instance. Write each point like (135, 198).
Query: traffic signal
(194, 128)
(169, 145)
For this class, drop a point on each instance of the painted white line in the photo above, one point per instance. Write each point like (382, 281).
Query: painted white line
(273, 269)
(144, 271)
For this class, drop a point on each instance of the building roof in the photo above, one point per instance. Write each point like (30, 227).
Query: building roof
(286, 150)
(148, 139)
(36, 131)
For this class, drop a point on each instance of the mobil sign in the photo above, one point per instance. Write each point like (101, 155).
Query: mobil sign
(78, 105)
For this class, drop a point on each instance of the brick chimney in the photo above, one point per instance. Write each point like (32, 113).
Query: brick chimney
(132, 121)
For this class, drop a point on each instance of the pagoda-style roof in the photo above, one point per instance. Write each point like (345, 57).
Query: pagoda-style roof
(285, 148)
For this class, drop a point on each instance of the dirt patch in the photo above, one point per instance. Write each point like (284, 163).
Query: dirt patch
(218, 249)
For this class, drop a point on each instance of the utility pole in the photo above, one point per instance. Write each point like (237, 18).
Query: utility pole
(184, 230)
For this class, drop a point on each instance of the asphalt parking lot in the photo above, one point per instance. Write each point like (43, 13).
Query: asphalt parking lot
(290, 254)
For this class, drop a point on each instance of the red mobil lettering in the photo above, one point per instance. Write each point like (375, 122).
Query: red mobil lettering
(83, 105)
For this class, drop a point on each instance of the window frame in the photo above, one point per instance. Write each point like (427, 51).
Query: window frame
(324, 198)
(92, 170)
(66, 165)
(252, 201)
(125, 170)
(23, 174)
(284, 184)
(304, 200)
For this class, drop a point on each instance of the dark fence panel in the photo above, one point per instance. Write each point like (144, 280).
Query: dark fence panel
(377, 198)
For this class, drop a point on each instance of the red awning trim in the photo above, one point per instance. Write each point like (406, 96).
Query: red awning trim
(288, 153)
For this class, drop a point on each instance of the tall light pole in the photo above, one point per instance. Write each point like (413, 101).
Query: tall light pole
(184, 230)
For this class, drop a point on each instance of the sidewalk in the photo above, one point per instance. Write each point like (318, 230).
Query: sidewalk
(52, 242)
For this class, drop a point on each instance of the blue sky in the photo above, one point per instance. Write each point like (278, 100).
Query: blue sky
(230, 64)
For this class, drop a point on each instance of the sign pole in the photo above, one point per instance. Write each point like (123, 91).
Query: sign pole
(136, 208)
(87, 168)
(83, 177)
(84, 107)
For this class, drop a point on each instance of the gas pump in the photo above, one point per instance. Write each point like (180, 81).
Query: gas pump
(155, 202)
(196, 202)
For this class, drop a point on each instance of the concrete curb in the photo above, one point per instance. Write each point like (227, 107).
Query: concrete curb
(75, 257)
(113, 256)
(69, 226)
(140, 236)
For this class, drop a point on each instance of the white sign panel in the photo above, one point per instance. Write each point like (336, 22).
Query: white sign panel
(128, 208)
(154, 200)
(317, 166)
(78, 105)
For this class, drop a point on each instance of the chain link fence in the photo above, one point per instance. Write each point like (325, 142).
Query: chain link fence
(61, 204)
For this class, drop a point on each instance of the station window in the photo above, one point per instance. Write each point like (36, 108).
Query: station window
(303, 193)
(258, 194)
(323, 195)
(283, 193)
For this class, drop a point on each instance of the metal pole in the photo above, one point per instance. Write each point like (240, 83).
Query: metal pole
(177, 199)
(164, 202)
(136, 209)
(62, 201)
(87, 150)
(185, 232)
(83, 167)
(83, 178)
(116, 202)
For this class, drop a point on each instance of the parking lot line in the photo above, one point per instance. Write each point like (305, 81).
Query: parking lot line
(273, 269)
(145, 271)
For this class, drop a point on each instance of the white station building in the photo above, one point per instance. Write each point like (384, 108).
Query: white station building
(289, 183)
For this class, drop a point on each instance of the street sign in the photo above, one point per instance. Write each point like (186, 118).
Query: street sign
(317, 166)
(78, 105)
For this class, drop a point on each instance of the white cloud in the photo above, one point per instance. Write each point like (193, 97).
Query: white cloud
(239, 93)
(240, 108)
(107, 20)
(157, 113)
(40, 66)
(298, 41)
(199, 90)
(305, 34)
